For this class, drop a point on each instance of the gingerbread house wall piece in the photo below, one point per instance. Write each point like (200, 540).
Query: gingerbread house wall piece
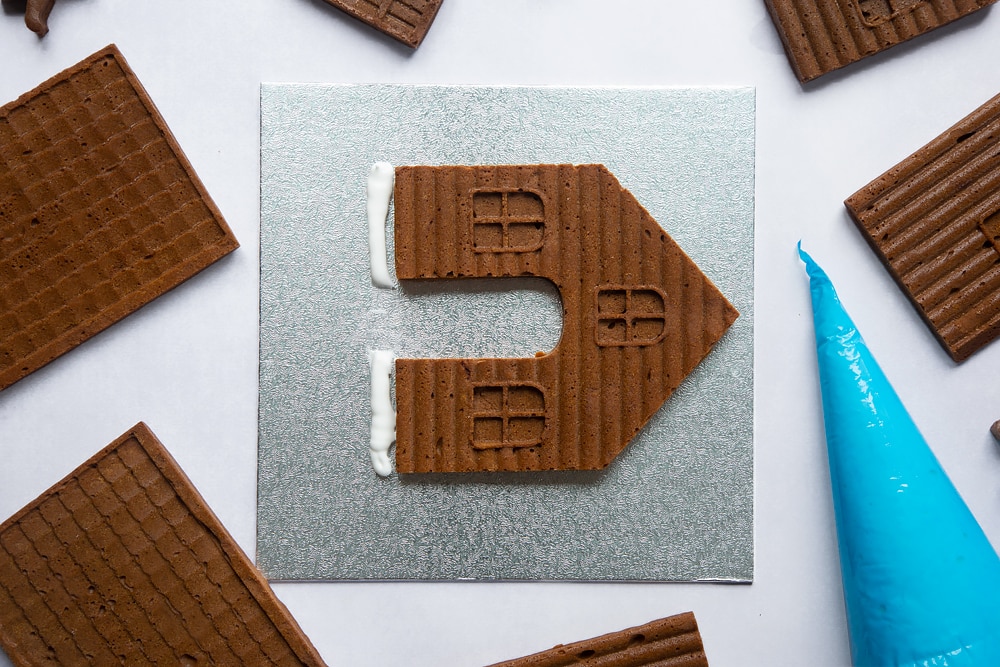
(406, 21)
(934, 221)
(668, 642)
(638, 317)
(823, 35)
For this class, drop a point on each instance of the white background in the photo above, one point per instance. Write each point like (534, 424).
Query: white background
(187, 363)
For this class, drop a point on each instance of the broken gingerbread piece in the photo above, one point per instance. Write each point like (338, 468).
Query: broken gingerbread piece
(673, 641)
(820, 36)
(406, 21)
(36, 15)
(934, 221)
(122, 562)
(638, 316)
(100, 212)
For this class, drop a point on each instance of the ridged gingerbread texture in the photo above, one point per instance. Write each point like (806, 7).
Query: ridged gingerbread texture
(668, 642)
(638, 316)
(122, 562)
(823, 35)
(404, 20)
(934, 221)
(100, 212)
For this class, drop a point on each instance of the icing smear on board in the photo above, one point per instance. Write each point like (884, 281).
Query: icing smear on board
(383, 431)
(379, 194)
(921, 580)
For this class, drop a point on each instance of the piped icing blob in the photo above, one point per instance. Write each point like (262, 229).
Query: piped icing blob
(379, 195)
(383, 430)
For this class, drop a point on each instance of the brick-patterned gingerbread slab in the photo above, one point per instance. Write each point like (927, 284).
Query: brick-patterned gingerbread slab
(404, 20)
(668, 642)
(638, 316)
(823, 35)
(100, 212)
(122, 562)
(934, 221)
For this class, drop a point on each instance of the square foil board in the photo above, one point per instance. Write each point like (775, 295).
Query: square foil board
(676, 505)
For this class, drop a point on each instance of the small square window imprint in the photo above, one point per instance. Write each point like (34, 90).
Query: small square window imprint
(875, 12)
(486, 236)
(990, 227)
(629, 316)
(507, 415)
(487, 432)
(611, 302)
(525, 205)
(488, 398)
(487, 205)
(507, 221)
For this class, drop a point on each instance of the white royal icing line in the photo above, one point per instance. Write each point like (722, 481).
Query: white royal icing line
(383, 432)
(380, 182)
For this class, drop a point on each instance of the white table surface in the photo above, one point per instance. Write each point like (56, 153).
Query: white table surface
(187, 363)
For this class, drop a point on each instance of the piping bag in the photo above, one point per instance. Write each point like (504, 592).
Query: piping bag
(921, 580)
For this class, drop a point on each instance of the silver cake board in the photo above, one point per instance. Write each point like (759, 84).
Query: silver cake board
(676, 505)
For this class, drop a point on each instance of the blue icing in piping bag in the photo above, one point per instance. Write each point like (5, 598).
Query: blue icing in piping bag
(921, 580)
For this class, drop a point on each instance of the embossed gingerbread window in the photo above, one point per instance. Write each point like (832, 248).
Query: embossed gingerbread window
(629, 316)
(507, 415)
(990, 227)
(874, 12)
(507, 221)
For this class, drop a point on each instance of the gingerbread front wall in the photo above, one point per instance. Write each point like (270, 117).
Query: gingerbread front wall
(638, 316)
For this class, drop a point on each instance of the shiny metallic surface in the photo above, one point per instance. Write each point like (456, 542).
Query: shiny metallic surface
(677, 505)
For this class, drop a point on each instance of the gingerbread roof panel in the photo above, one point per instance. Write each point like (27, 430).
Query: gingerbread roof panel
(122, 562)
(100, 212)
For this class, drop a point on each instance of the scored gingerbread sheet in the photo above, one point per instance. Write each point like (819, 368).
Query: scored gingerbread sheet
(100, 212)
(676, 504)
(122, 562)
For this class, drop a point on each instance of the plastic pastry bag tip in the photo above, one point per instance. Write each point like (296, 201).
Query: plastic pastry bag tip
(921, 580)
